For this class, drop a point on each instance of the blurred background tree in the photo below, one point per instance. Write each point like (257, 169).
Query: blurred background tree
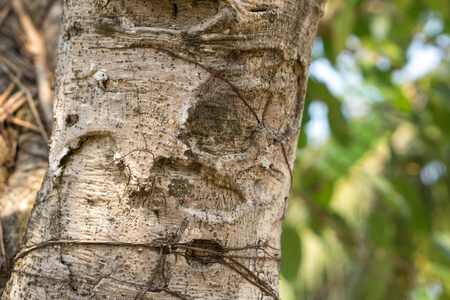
(369, 214)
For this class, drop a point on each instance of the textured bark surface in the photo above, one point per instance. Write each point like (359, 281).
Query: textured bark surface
(171, 157)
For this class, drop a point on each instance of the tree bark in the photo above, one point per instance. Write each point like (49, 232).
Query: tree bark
(172, 153)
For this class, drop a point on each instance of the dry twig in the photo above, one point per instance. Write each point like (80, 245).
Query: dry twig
(35, 46)
(4, 14)
(6, 93)
(29, 99)
(4, 261)
(24, 124)
(11, 105)
(18, 64)
(44, 13)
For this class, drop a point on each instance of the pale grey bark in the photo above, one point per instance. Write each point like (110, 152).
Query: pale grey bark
(172, 153)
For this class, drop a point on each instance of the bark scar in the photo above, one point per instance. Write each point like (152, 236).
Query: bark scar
(232, 85)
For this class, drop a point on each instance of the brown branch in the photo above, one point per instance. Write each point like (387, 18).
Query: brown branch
(19, 65)
(222, 254)
(4, 14)
(44, 13)
(6, 93)
(154, 245)
(4, 260)
(285, 158)
(11, 105)
(257, 281)
(258, 247)
(35, 46)
(24, 124)
(29, 100)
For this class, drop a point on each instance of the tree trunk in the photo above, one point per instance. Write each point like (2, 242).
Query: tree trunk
(172, 153)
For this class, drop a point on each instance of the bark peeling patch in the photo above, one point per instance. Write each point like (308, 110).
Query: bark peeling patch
(203, 255)
(211, 117)
(213, 128)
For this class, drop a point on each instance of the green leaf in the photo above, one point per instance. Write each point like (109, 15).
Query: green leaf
(388, 193)
(380, 27)
(393, 51)
(439, 5)
(442, 243)
(343, 24)
(443, 272)
(291, 245)
(382, 230)
(323, 197)
(403, 5)
(420, 215)
(338, 124)
(440, 106)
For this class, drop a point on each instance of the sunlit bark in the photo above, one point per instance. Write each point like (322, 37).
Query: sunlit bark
(172, 153)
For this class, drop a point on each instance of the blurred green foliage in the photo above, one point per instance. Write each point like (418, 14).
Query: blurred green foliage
(369, 214)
